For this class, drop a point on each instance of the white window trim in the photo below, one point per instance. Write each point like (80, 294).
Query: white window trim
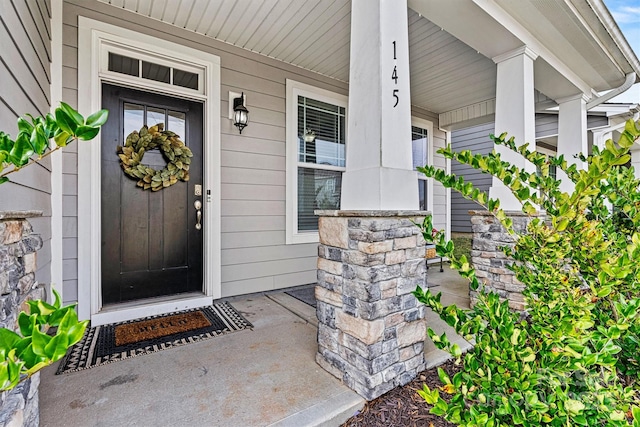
(428, 125)
(295, 89)
(93, 38)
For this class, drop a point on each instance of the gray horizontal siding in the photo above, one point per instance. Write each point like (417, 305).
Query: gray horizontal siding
(547, 124)
(477, 140)
(25, 60)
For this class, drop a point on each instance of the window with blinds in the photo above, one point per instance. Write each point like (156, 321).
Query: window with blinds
(419, 150)
(321, 158)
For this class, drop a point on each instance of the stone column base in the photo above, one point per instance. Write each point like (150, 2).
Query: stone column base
(371, 329)
(490, 262)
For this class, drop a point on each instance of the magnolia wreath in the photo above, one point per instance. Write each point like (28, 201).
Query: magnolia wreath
(137, 143)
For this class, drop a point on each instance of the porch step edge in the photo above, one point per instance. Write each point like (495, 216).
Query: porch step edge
(297, 307)
(328, 413)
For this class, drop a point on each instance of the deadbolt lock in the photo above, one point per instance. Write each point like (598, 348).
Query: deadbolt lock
(197, 190)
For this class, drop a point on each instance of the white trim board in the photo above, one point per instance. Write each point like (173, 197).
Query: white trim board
(428, 125)
(57, 252)
(93, 37)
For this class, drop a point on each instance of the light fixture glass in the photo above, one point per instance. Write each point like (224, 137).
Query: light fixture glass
(240, 113)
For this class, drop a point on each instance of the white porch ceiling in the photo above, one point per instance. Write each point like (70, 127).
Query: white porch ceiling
(446, 72)
(315, 34)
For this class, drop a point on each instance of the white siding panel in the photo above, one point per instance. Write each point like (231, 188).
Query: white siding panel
(252, 192)
(260, 254)
(70, 247)
(233, 142)
(70, 269)
(252, 160)
(293, 279)
(240, 175)
(251, 239)
(247, 286)
(70, 291)
(231, 224)
(252, 207)
(268, 268)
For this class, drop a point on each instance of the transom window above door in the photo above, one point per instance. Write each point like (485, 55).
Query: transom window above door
(151, 69)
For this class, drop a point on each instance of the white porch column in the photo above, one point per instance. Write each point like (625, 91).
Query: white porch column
(379, 173)
(572, 135)
(515, 114)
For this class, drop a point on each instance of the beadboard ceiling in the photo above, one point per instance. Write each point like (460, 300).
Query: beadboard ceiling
(447, 72)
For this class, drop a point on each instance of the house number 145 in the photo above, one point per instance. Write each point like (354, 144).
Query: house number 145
(394, 76)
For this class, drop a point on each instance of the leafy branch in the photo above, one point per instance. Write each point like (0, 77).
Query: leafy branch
(30, 349)
(35, 134)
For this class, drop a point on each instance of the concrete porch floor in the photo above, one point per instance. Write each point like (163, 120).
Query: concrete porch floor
(264, 377)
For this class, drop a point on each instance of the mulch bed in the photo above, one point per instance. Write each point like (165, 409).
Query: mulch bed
(402, 406)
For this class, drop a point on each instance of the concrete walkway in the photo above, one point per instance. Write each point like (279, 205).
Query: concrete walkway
(264, 377)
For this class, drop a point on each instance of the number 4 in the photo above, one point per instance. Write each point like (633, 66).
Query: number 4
(394, 75)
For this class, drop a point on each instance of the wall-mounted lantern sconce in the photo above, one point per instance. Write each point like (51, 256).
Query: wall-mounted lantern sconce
(309, 136)
(240, 112)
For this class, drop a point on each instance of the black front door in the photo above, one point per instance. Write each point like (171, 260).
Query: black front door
(150, 244)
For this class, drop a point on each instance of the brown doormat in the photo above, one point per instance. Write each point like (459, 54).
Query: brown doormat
(156, 328)
(100, 344)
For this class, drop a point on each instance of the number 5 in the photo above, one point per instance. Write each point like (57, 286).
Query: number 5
(395, 95)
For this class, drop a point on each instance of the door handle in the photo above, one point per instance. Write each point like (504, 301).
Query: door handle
(198, 205)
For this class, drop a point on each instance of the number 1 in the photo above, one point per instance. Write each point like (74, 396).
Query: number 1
(394, 49)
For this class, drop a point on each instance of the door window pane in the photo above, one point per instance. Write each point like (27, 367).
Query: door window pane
(317, 189)
(176, 124)
(133, 118)
(155, 116)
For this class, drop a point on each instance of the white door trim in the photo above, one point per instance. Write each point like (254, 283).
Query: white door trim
(93, 39)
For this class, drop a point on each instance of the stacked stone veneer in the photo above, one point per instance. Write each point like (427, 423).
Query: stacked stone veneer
(490, 262)
(371, 329)
(18, 246)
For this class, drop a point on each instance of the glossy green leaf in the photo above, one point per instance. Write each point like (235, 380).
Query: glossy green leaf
(86, 133)
(38, 140)
(71, 113)
(39, 342)
(8, 340)
(26, 324)
(98, 118)
(65, 122)
(62, 138)
(57, 347)
(21, 151)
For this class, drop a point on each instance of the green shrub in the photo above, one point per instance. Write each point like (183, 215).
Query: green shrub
(24, 353)
(572, 357)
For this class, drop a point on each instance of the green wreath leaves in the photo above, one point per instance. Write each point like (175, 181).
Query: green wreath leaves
(174, 150)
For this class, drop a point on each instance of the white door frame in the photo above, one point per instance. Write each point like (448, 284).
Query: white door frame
(94, 39)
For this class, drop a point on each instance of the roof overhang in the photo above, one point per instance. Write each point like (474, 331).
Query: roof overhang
(452, 43)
